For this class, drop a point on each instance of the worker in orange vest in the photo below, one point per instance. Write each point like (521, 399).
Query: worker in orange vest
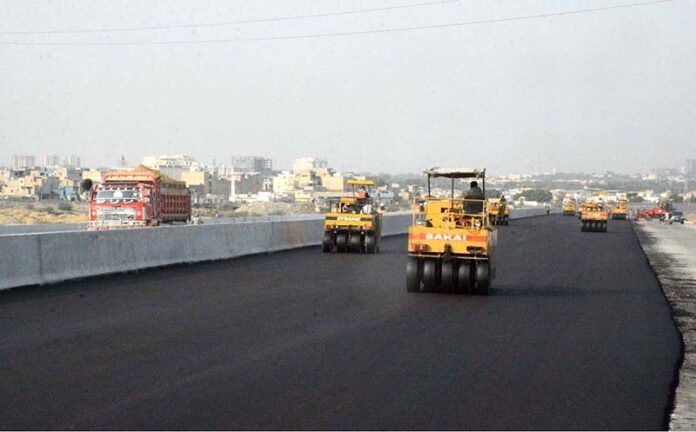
(362, 196)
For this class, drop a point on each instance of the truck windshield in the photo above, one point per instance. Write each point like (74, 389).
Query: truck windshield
(117, 194)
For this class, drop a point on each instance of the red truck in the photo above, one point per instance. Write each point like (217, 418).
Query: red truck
(138, 198)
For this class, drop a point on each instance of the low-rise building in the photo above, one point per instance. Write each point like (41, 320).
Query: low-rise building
(30, 183)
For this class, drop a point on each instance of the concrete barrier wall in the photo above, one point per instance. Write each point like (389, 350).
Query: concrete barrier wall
(39, 258)
(37, 228)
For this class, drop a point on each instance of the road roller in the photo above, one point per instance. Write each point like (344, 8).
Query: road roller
(620, 212)
(451, 242)
(498, 211)
(594, 217)
(354, 223)
(569, 206)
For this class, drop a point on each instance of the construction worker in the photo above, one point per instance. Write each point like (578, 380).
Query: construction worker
(361, 197)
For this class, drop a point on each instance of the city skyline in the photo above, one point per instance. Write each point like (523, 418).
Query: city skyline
(39, 160)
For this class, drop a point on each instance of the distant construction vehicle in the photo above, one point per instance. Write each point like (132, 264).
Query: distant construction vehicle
(569, 207)
(594, 217)
(451, 244)
(354, 224)
(498, 211)
(620, 211)
(138, 198)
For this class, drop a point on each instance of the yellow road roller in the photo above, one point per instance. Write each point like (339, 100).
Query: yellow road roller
(498, 211)
(620, 212)
(569, 205)
(594, 217)
(354, 224)
(451, 243)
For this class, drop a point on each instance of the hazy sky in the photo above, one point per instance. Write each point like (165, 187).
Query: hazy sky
(612, 89)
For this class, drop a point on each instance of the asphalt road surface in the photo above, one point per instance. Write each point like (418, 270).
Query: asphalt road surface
(576, 334)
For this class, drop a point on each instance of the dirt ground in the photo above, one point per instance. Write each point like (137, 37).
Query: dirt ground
(42, 212)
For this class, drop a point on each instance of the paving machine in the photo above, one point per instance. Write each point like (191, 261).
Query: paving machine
(451, 243)
(354, 224)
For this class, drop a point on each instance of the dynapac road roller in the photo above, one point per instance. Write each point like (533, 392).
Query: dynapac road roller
(498, 211)
(451, 244)
(354, 224)
(594, 217)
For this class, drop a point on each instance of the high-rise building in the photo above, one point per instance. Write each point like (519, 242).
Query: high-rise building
(50, 160)
(690, 167)
(250, 164)
(71, 161)
(309, 163)
(23, 161)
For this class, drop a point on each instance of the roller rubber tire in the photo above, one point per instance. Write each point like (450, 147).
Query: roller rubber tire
(327, 242)
(482, 278)
(342, 242)
(464, 277)
(430, 276)
(370, 243)
(448, 275)
(414, 273)
(354, 242)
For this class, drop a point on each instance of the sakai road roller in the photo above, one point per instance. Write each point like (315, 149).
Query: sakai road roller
(621, 210)
(498, 211)
(451, 243)
(594, 217)
(354, 224)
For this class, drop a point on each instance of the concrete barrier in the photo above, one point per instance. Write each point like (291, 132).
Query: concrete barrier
(40, 228)
(39, 258)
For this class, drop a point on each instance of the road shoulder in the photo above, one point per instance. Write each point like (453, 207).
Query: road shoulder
(670, 250)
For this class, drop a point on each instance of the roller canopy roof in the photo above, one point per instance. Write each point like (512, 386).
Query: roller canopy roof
(456, 172)
(361, 182)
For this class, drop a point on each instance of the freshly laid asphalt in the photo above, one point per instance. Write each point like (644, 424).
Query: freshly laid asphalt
(576, 334)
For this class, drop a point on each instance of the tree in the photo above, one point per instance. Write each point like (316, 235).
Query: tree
(493, 193)
(634, 197)
(538, 195)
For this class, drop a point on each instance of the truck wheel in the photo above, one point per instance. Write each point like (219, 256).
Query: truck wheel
(342, 242)
(414, 272)
(463, 277)
(370, 243)
(327, 242)
(482, 279)
(430, 276)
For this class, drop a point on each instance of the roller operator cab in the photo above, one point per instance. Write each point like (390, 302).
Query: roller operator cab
(498, 211)
(594, 217)
(354, 224)
(451, 242)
